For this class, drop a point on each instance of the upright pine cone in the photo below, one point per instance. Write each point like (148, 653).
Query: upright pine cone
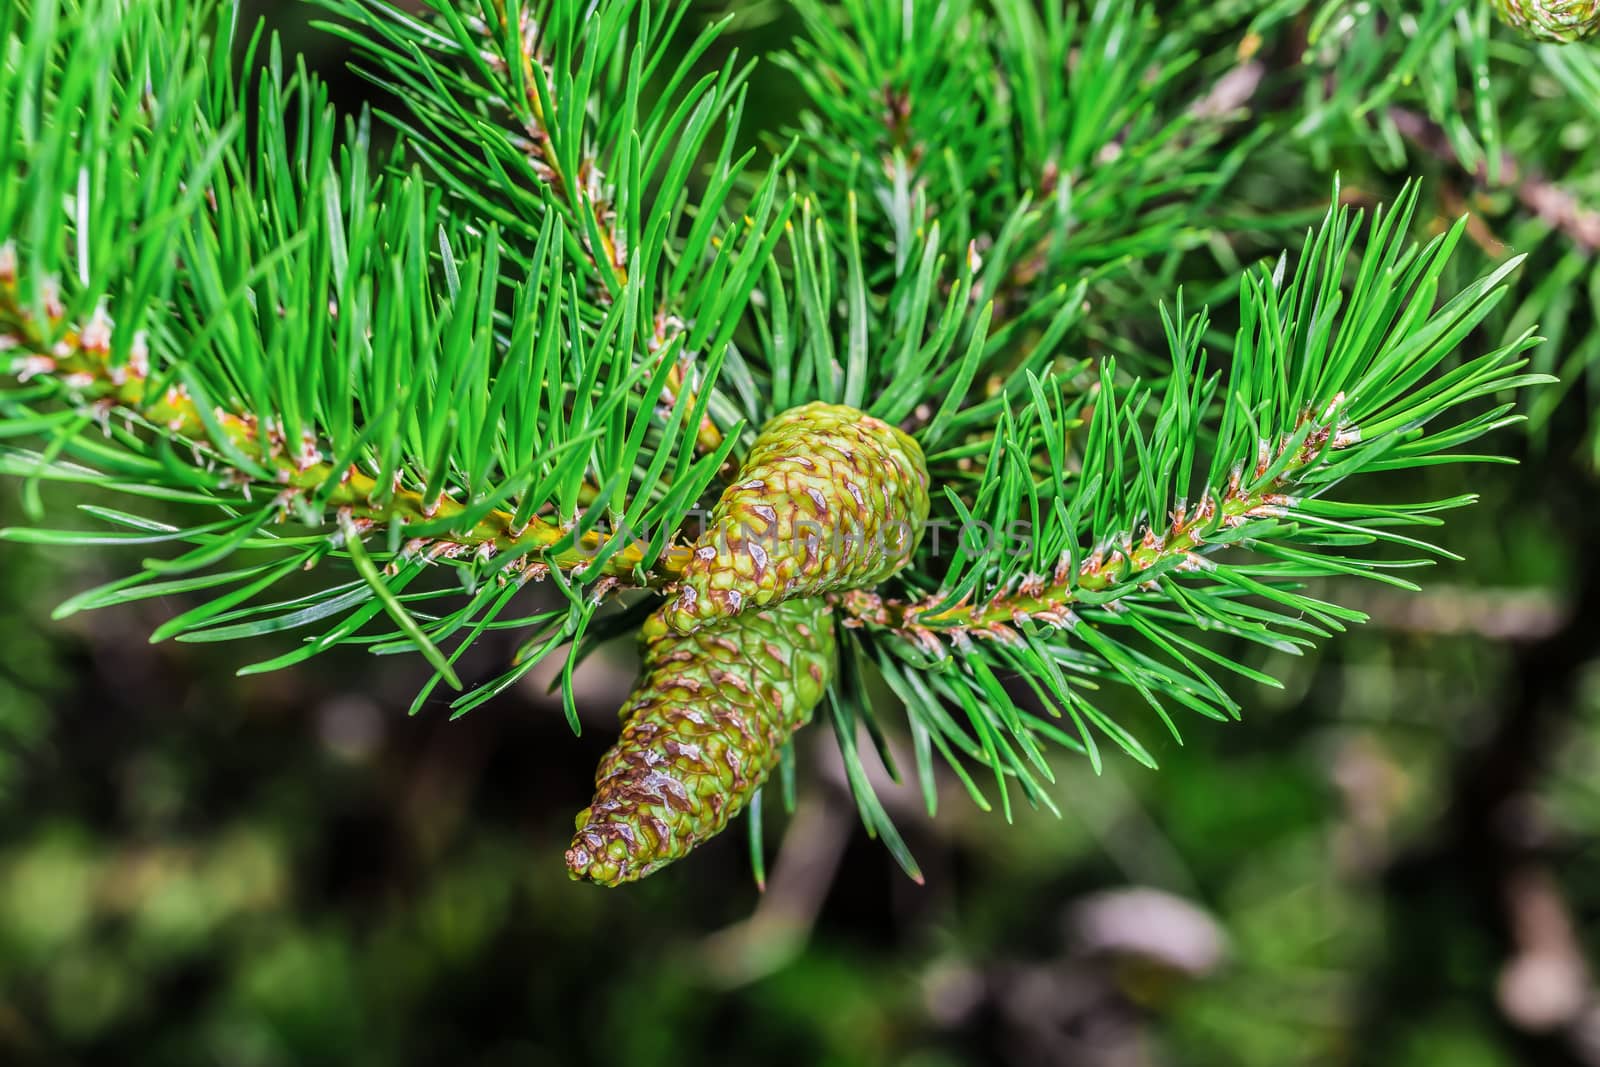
(1563, 21)
(701, 733)
(829, 499)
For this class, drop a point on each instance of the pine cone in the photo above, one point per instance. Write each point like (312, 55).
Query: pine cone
(829, 499)
(701, 733)
(1563, 21)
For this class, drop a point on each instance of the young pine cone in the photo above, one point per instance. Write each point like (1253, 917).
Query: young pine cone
(1563, 21)
(829, 499)
(700, 734)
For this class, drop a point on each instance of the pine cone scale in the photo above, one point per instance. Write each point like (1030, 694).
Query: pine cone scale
(701, 734)
(829, 499)
(1558, 21)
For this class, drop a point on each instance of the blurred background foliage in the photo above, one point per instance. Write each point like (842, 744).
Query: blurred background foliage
(1392, 861)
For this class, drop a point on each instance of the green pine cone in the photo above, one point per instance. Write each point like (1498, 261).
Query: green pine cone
(829, 499)
(700, 734)
(1563, 21)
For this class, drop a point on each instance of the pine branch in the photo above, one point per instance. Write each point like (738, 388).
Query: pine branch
(256, 457)
(1083, 121)
(1444, 82)
(1181, 546)
(527, 346)
(308, 351)
(1124, 570)
(586, 187)
(518, 121)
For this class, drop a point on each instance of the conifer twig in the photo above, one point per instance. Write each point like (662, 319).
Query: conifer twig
(588, 188)
(1049, 599)
(258, 458)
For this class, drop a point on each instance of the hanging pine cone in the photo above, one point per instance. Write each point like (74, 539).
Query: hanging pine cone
(829, 499)
(1563, 21)
(701, 733)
